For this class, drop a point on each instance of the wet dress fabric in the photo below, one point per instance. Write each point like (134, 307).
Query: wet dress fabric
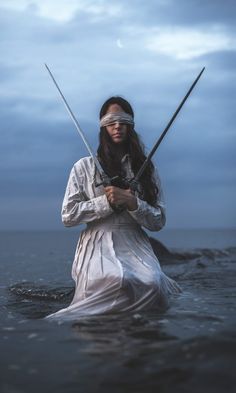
(114, 268)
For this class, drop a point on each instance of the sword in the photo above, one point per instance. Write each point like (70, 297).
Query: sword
(106, 180)
(134, 181)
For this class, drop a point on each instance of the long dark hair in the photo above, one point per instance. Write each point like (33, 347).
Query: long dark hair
(133, 146)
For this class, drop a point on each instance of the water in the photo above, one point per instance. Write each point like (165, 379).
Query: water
(190, 347)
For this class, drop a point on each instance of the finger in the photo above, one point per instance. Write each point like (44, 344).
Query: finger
(111, 201)
(108, 191)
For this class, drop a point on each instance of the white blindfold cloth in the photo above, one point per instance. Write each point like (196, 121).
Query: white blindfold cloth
(116, 117)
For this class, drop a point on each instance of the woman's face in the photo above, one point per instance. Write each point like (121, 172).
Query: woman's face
(117, 131)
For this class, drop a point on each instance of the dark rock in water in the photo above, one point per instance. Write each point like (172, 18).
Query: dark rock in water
(160, 250)
(167, 256)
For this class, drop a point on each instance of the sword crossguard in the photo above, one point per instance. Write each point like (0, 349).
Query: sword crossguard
(134, 185)
(106, 181)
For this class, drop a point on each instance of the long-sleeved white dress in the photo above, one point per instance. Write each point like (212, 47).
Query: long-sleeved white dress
(114, 268)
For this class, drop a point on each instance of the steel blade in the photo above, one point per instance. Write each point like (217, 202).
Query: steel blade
(76, 123)
(143, 167)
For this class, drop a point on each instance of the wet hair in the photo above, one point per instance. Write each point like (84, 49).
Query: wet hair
(133, 146)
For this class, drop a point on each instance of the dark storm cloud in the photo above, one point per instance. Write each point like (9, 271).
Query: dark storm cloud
(183, 12)
(8, 72)
(36, 157)
(223, 62)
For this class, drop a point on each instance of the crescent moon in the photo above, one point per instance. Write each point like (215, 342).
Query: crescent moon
(119, 43)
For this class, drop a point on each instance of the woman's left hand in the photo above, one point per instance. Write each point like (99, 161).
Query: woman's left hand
(119, 196)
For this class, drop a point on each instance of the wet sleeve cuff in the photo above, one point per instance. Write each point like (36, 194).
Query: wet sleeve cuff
(139, 211)
(101, 206)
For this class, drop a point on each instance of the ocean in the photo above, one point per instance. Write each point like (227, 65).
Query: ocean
(191, 347)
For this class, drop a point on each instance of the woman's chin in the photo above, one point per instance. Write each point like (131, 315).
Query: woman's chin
(118, 140)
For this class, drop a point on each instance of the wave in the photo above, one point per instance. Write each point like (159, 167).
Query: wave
(30, 290)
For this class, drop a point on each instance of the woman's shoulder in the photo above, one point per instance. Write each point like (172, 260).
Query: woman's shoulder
(85, 164)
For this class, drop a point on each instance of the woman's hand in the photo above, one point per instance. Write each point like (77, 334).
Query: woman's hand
(119, 196)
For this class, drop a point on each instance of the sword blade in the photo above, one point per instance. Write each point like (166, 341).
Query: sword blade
(143, 167)
(76, 123)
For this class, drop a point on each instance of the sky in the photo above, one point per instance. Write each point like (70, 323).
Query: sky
(147, 52)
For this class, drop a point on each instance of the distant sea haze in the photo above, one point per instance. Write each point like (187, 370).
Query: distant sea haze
(171, 237)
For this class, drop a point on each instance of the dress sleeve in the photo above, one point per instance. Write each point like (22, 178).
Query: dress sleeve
(77, 208)
(151, 217)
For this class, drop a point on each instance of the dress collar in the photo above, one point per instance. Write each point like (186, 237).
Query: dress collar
(125, 158)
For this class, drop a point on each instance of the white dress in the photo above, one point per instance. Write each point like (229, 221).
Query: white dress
(114, 268)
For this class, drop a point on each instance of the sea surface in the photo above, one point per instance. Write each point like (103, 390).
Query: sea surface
(191, 347)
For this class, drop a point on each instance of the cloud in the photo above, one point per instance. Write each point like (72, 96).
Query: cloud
(64, 11)
(188, 43)
(190, 13)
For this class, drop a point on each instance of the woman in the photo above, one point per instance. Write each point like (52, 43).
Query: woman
(115, 269)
